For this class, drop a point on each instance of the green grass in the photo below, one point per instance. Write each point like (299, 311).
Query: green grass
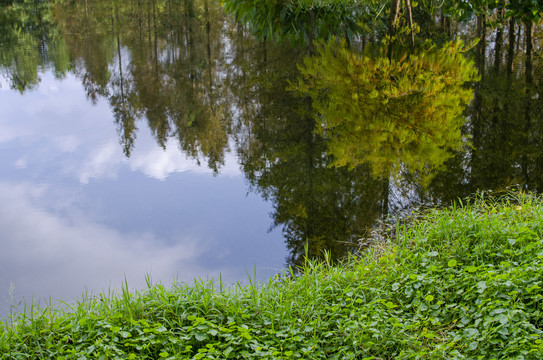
(459, 283)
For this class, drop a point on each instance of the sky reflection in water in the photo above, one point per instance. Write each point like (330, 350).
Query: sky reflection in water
(76, 213)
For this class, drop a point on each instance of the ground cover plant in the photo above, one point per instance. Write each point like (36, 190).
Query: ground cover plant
(457, 283)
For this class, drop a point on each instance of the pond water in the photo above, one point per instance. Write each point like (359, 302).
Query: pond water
(77, 213)
(160, 138)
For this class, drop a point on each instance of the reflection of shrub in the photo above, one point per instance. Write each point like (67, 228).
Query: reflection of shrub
(389, 113)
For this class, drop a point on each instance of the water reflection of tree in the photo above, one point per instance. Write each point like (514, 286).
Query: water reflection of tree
(394, 115)
(87, 32)
(166, 63)
(159, 63)
(505, 119)
(503, 154)
(30, 41)
(283, 158)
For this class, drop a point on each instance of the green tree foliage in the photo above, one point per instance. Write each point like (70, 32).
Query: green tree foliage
(465, 10)
(298, 20)
(525, 9)
(30, 41)
(389, 114)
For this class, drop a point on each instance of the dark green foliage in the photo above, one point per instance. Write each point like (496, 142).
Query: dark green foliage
(300, 20)
(460, 283)
(525, 9)
(30, 41)
(520, 9)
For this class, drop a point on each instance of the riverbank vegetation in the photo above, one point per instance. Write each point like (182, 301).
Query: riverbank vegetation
(457, 283)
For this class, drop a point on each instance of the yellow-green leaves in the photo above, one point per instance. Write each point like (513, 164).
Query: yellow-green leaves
(398, 114)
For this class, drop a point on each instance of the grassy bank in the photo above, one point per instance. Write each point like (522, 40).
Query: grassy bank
(461, 283)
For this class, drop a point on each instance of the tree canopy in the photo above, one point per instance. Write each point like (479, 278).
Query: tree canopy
(298, 20)
(406, 112)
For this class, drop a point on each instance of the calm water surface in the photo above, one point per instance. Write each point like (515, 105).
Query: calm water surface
(77, 213)
(159, 138)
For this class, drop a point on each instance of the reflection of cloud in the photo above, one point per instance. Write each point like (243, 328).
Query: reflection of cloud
(67, 143)
(20, 163)
(45, 254)
(102, 163)
(151, 160)
(53, 110)
(159, 164)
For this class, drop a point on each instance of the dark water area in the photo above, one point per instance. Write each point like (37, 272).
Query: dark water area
(159, 137)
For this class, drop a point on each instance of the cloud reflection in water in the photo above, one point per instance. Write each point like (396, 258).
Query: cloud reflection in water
(75, 213)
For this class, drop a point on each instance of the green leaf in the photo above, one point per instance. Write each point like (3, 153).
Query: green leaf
(161, 329)
(481, 286)
(390, 305)
(227, 351)
(471, 332)
(429, 335)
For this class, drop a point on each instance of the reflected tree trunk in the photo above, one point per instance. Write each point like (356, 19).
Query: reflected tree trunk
(499, 38)
(311, 33)
(476, 121)
(510, 48)
(155, 41)
(189, 37)
(119, 54)
(149, 35)
(528, 100)
(529, 54)
(409, 10)
(481, 47)
(208, 52)
(392, 23)
(86, 18)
